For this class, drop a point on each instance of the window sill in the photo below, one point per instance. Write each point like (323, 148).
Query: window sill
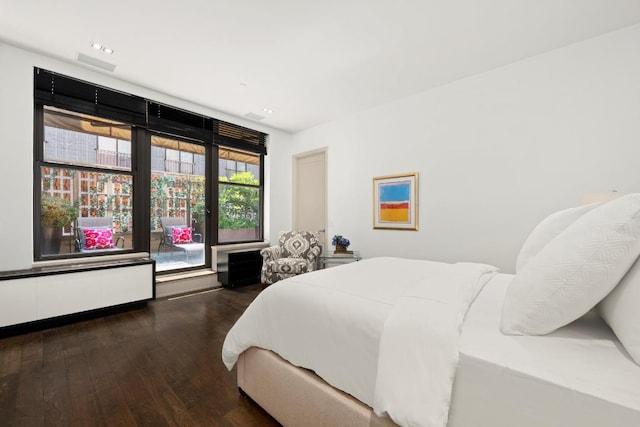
(89, 260)
(76, 267)
(240, 246)
(184, 275)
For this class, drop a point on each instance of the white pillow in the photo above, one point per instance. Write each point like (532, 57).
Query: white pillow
(621, 310)
(547, 229)
(574, 271)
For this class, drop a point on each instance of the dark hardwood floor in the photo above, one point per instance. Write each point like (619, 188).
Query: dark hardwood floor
(159, 365)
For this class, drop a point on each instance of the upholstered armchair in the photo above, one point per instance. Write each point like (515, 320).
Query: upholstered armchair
(297, 252)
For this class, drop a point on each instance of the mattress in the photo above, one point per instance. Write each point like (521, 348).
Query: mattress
(577, 375)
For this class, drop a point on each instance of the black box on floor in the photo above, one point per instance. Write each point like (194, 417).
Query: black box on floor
(239, 268)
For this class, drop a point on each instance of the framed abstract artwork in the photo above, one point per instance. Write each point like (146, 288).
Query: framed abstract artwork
(395, 202)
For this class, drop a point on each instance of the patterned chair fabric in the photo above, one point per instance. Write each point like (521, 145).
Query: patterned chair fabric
(297, 253)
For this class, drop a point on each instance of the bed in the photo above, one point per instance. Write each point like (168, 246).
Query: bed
(576, 376)
(411, 342)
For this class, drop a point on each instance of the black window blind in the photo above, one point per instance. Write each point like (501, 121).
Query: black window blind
(66, 92)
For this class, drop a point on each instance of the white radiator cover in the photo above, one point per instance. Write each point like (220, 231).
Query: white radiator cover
(42, 297)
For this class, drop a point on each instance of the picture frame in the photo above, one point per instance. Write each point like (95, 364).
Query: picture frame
(395, 202)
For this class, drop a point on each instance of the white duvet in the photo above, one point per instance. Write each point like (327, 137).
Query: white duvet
(385, 330)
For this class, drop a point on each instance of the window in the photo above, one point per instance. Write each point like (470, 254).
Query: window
(86, 185)
(239, 196)
(94, 148)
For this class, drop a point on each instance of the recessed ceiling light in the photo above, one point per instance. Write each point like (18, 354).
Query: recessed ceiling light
(267, 110)
(98, 46)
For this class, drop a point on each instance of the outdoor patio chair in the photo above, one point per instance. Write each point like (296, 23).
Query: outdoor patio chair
(177, 235)
(96, 234)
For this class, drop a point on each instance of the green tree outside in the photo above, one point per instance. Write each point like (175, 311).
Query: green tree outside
(239, 205)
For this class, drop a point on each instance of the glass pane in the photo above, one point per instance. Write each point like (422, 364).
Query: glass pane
(80, 139)
(85, 212)
(239, 210)
(232, 162)
(178, 225)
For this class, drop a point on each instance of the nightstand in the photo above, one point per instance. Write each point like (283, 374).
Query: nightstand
(333, 258)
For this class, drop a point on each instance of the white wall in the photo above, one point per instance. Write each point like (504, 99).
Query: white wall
(16, 143)
(496, 152)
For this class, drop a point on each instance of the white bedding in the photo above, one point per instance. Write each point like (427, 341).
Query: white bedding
(578, 375)
(375, 329)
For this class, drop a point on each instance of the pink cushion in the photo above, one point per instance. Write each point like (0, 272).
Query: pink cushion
(181, 235)
(98, 238)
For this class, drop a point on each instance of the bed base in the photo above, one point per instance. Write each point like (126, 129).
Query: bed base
(296, 396)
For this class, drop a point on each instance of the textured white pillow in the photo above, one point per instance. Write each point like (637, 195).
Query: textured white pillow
(547, 230)
(621, 310)
(574, 271)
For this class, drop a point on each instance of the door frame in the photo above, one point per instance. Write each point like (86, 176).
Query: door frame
(208, 198)
(294, 207)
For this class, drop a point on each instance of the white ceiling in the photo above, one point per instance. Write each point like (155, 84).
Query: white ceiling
(308, 61)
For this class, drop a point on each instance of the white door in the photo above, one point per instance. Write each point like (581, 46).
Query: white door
(310, 192)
